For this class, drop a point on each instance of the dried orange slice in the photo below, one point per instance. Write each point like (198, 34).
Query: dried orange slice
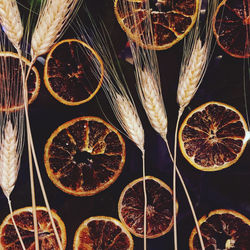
(213, 136)
(222, 229)
(231, 26)
(101, 232)
(84, 156)
(171, 20)
(24, 219)
(159, 207)
(70, 72)
(11, 82)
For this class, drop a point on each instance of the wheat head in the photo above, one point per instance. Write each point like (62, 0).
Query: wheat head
(9, 159)
(11, 21)
(130, 121)
(152, 102)
(189, 80)
(52, 21)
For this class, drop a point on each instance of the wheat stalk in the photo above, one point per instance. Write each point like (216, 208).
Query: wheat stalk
(52, 20)
(191, 76)
(9, 166)
(153, 103)
(11, 21)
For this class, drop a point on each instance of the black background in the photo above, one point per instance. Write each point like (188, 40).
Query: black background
(228, 188)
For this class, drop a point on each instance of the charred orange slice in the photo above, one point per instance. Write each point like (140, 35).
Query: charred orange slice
(231, 26)
(11, 84)
(222, 229)
(213, 136)
(70, 72)
(171, 20)
(24, 220)
(84, 156)
(101, 232)
(159, 207)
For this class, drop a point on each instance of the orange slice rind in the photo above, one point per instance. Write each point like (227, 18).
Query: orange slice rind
(222, 229)
(102, 232)
(171, 21)
(213, 136)
(70, 72)
(84, 156)
(11, 82)
(24, 220)
(159, 207)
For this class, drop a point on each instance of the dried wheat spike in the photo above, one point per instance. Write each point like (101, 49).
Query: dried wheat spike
(52, 21)
(130, 121)
(153, 103)
(11, 21)
(9, 159)
(189, 80)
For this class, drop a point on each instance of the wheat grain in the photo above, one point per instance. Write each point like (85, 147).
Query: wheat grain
(11, 21)
(130, 121)
(190, 78)
(52, 21)
(9, 159)
(152, 102)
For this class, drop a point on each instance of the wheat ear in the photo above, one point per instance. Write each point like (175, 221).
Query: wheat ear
(52, 20)
(9, 166)
(191, 76)
(152, 102)
(11, 21)
(130, 121)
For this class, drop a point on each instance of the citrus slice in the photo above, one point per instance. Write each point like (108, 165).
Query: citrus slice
(70, 72)
(222, 229)
(24, 220)
(101, 232)
(159, 207)
(171, 20)
(11, 82)
(213, 136)
(231, 26)
(84, 156)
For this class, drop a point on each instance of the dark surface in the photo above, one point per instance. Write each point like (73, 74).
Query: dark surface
(228, 188)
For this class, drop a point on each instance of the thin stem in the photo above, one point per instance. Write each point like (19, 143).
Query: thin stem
(187, 195)
(31, 144)
(174, 178)
(14, 223)
(32, 185)
(145, 201)
(245, 73)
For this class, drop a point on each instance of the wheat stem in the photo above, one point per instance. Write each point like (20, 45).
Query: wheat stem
(145, 201)
(32, 184)
(15, 226)
(174, 178)
(187, 195)
(33, 153)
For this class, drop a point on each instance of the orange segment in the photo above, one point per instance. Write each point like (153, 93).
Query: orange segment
(70, 72)
(11, 82)
(24, 219)
(101, 232)
(84, 156)
(159, 207)
(212, 137)
(222, 229)
(231, 26)
(171, 20)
